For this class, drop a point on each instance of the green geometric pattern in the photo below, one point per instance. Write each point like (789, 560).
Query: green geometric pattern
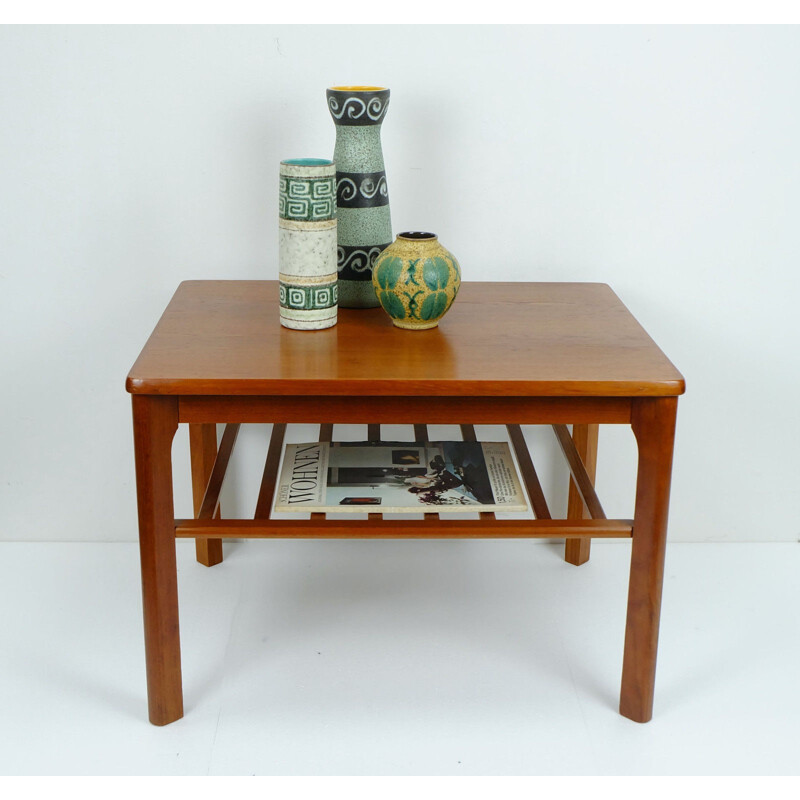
(308, 298)
(307, 199)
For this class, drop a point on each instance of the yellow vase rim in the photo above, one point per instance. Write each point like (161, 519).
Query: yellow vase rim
(358, 88)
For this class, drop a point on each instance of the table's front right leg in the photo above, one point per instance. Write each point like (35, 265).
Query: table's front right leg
(155, 420)
(653, 423)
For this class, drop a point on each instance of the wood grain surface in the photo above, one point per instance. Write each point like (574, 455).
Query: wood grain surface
(523, 339)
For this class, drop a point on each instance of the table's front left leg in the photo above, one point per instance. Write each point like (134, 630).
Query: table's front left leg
(653, 422)
(155, 420)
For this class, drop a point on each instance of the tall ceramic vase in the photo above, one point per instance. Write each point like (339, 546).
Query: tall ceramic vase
(307, 244)
(365, 226)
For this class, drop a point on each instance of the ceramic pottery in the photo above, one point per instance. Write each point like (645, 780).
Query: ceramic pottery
(416, 280)
(307, 243)
(365, 227)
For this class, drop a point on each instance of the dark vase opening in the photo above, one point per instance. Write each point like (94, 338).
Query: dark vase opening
(416, 235)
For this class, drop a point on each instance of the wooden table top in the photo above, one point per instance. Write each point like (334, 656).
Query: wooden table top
(517, 339)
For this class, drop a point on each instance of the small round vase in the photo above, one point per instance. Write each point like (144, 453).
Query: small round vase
(416, 280)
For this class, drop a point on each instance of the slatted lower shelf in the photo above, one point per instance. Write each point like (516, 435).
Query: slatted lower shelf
(434, 525)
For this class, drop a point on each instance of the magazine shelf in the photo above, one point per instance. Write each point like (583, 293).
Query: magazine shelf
(209, 526)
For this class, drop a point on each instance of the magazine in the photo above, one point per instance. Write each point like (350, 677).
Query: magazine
(358, 477)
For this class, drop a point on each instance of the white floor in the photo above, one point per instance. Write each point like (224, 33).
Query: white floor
(400, 658)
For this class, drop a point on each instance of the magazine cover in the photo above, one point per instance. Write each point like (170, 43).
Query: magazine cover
(359, 477)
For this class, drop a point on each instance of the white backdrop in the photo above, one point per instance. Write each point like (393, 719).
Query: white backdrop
(660, 160)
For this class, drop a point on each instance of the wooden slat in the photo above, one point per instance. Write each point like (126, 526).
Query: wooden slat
(441, 528)
(211, 497)
(374, 435)
(579, 474)
(421, 435)
(529, 476)
(270, 477)
(325, 435)
(468, 435)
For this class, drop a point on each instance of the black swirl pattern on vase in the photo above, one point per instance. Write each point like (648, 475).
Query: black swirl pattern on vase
(353, 107)
(355, 262)
(361, 189)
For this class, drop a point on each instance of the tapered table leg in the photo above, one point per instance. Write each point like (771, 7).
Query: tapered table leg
(585, 437)
(653, 422)
(155, 420)
(203, 449)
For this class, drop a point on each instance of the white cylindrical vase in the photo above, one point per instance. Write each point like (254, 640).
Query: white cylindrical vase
(307, 247)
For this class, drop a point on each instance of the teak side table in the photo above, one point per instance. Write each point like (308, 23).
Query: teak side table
(506, 353)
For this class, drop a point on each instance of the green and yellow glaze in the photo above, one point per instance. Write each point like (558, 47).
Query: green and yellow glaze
(416, 280)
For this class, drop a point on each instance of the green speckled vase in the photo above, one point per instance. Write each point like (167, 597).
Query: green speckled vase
(416, 280)
(364, 222)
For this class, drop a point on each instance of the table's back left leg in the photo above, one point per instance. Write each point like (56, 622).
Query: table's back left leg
(585, 437)
(203, 448)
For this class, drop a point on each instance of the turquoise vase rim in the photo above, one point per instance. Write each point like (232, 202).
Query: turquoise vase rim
(307, 162)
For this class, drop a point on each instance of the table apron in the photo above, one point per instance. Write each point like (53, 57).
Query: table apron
(401, 410)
